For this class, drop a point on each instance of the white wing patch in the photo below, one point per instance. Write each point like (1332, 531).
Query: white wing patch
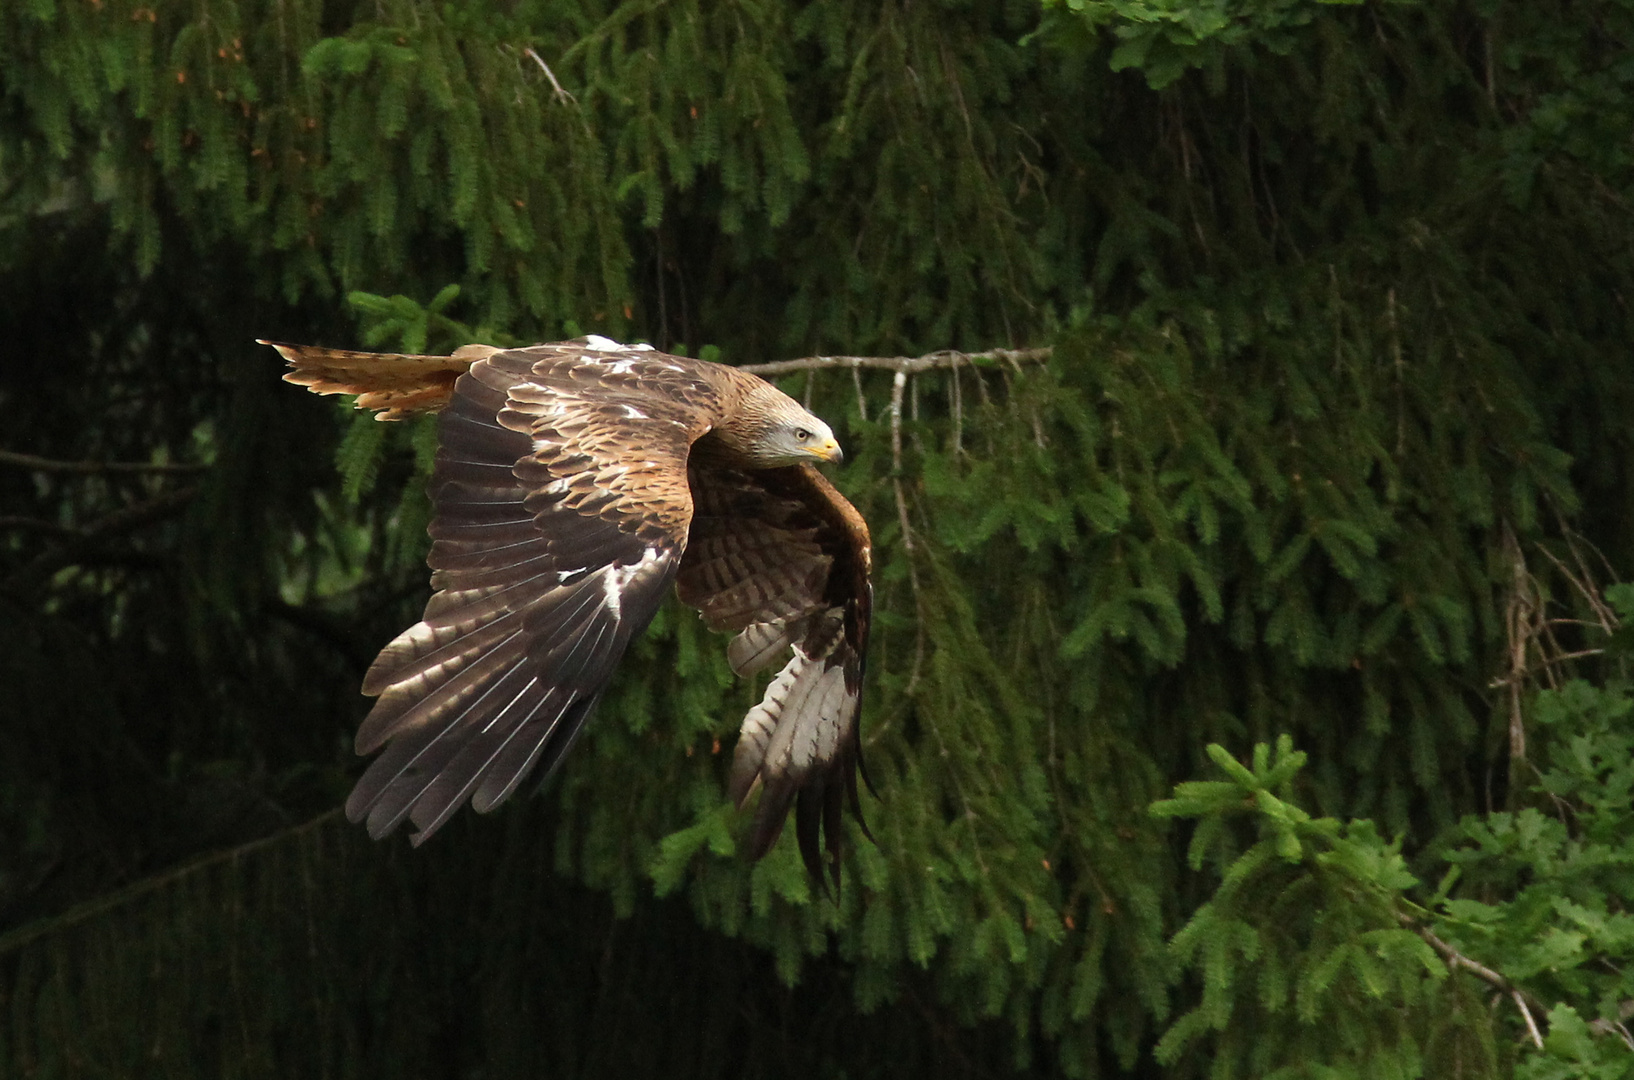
(610, 585)
(617, 577)
(607, 344)
(597, 343)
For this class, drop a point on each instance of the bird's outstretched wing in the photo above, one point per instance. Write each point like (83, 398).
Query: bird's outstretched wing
(561, 511)
(781, 557)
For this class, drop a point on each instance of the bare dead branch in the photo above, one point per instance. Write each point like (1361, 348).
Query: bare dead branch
(80, 543)
(43, 464)
(1522, 606)
(906, 365)
(1525, 676)
(1456, 960)
(1525, 1002)
(1453, 957)
(19, 523)
(1584, 585)
(142, 514)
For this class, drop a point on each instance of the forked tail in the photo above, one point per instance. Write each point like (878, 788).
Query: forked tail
(396, 384)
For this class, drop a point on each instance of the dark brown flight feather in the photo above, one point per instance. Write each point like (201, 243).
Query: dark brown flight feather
(573, 484)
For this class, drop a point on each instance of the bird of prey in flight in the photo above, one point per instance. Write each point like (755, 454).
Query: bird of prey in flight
(574, 483)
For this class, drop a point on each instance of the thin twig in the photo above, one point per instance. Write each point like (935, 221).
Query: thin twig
(561, 95)
(1584, 585)
(43, 464)
(1617, 1027)
(1456, 959)
(1531, 1024)
(1522, 676)
(897, 386)
(140, 515)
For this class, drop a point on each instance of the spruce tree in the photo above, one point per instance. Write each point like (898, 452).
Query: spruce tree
(1249, 689)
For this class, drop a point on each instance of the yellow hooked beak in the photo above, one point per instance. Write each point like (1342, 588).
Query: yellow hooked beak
(828, 450)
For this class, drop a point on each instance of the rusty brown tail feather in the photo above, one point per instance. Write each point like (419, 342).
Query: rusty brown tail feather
(395, 384)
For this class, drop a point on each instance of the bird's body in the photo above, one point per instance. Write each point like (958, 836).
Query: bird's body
(574, 483)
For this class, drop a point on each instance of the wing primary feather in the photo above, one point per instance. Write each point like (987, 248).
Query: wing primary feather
(455, 782)
(833, 795)
(452, 656)
(782, 558)
(507, 771)
(574, 721)
(396, 779)
(770, 816)
(862, 771)
(808, 815)
(855, 800)
(399, 709)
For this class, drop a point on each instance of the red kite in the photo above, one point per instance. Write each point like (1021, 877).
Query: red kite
(574, 483)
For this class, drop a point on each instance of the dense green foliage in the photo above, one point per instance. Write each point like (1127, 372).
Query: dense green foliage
(1333, 454)
(1320, 921)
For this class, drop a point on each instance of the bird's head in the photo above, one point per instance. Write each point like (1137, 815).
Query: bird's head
(801, 439)
(788, 434)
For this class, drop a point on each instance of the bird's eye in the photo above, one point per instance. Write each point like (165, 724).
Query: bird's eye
(802, 435)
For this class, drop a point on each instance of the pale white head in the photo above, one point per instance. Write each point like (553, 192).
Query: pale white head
(781, 432)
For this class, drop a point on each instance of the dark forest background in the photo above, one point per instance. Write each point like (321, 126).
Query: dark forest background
(1250, 691)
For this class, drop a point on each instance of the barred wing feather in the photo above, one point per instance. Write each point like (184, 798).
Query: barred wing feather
(784, 559)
